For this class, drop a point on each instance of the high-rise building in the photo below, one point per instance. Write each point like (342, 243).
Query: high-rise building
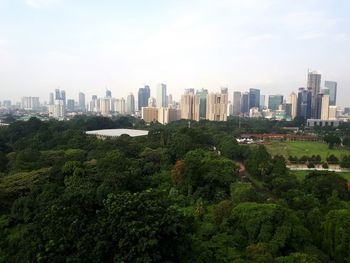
(325, 107)
(57, 94)
(52, 99)
(152, 102)
(161, 95)
(203, 97)
(318, 106)
(245, 103)
(149, 114)
(30, 103)
(217, 107)
(304, 103)
(82, 101)
(105, 106)
(332, 113)
(70, 105)
(237, 103)
(262, 102)
(294, 105)
(130, 104)
(143, 96)
(120, 106)
(170, 100)
(190, 106)
(332, 86)
(108, 93)
(93, 104)
(314, 86)
(63, 98)
(275, 101)
(254, 98)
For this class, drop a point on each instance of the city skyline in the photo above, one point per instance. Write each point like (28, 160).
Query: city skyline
(46, 44)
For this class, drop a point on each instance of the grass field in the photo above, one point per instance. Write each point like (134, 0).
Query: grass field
(300, 148)
(302, 174)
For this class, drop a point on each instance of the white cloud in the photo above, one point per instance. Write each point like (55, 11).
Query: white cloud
(40, 3)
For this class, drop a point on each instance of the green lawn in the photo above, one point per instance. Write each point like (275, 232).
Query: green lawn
(300, 148)
(302, 174)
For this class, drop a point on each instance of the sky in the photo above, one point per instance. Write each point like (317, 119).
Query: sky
(88, 46)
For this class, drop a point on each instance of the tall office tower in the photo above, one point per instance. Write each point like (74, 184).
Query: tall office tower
(319, 106)
(332, 113)
(152, 102)
(314, 86)
(108, 93)
(93, 104)
(63, 98)
(52, 99)
(81, 101)
(143, 96)
(325, 91)
(70, 105)
(190, 103)
(30, 103)
(161, 95)
(149, 114)
(7, 104)
(105, 106)
(203, 97)
(304, 103)
(275, 101)
(130, 104)
(230, 108)
(237, 103)
(57, 94)
(332, 86)
(294, 105)
(170, 100)
(287, 108)
(217, 107)
(245, 103)
(262, 102)
(325, 107)
(121, 107)
(254, 98)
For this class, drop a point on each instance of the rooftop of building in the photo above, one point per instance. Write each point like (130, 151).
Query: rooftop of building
(118, 132)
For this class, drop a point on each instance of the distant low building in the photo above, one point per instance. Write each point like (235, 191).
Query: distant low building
(312, 123)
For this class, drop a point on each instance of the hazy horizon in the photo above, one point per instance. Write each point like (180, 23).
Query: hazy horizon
(121, 45)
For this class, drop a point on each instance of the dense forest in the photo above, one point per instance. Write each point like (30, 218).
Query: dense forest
(184, 193)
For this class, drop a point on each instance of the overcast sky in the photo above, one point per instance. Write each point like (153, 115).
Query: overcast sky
(87, 45)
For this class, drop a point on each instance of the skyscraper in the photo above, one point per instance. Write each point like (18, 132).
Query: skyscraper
(217, 107)
(203, 97)
(245, 103)
(332, 86)
(304, 103)
(63, 98)
(81, 101)
(143, 96)
(325, 107)
(70, 105)
(161, 98)
(314, 86)
(130, 104)
(262, 102)
(108, 93)
(254, 98)
(294, 105)
(275, 101)
(237, 103)
(190, 106)
(52, 99)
